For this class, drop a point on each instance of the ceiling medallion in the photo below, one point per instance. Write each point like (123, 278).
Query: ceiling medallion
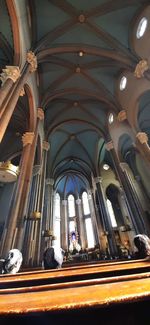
(75, 104)
(72, 137)
(78, 70)
(8, 172)
(81, 18)
(105, 166)
(81, 53)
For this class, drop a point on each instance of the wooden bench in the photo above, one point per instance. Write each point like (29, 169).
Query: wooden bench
(74, 292)
(76, 273)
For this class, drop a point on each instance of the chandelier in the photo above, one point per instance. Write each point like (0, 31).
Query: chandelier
(8, 172)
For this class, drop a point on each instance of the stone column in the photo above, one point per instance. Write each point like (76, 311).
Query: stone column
(27, 183)
(108, 230)
(82, 231)
(8, 107)
(134, 213)
(40, 246)
(10, 227)
(48, 219)
(64, 225)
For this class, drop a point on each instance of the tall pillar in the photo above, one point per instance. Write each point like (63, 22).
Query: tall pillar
(135, 215)
(10, 102)
(64, 225)
(8, 240)
(48, 219)
(108, 231)
(33, 233)
(27, 183)
(82, 232)
(40, 246)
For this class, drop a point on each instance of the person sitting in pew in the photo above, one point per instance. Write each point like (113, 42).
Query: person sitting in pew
(53, 257)
(142, 243)
(12, 262)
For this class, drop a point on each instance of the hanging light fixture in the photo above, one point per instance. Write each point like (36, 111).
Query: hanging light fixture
(8, 172)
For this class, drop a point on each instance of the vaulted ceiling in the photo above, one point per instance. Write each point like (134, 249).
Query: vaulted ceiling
(82, 48)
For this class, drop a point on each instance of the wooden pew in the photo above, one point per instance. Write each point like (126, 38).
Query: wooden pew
(77, 273)
(78, 295)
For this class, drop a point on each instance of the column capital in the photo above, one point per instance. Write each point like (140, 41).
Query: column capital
(46, 145)
(78, 201)
(122, 115)
(109, 145)
(10, 72)
(40, 114)
(64, 202)
(92, 191)
(27, 138)
(22, 92)
(98, 179)
(32, 60)
(140, 68)
(49, 181)
(142, 137)
(123, 166)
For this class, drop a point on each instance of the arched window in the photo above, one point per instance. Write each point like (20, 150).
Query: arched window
(71, 211)
(85, 201)
(71, 206)
(57, 219)
(88, 222)
(111, 213)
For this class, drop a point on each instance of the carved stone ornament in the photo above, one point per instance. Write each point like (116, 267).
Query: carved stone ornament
(27, 138)
(36, 170)
(142, 137)
(109, 145)
(64, 202)
(124, 166)
(32, 60)
(141, 67)
(78, 201)
(22, 92)
(98, 179)
(46, 145)
(50, 181)
(35, 215)
(40, 114)
(10, 72)
(122, 115)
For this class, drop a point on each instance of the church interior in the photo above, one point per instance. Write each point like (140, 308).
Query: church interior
(75, 159)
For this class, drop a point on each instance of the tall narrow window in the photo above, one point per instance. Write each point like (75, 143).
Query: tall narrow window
(85, 203)
(71, 206)
(111, 213)
(57, 219)
(89, 233)
(71, 210)
(88, 222)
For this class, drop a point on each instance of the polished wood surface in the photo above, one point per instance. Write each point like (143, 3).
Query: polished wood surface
(86, 271)
(100, 295)
(24, 293)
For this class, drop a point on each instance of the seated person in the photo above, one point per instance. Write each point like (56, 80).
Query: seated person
(12, 263)
(142, 243)
(53, 257)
